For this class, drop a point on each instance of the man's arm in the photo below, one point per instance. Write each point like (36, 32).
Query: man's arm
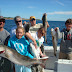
(6, 40)
(30, 37)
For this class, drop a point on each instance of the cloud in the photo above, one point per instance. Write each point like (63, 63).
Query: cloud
(30, 7)
(61, 12)
(59, 2)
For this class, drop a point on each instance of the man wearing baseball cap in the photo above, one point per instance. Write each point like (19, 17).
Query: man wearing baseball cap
(34, 27)
(5, 65)
(32, 17)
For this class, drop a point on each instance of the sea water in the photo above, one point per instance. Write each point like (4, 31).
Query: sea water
(61, 24)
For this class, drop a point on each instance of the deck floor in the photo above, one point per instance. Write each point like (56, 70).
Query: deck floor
(50, 62)
(49, 70)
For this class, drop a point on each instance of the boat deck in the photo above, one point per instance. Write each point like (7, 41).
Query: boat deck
(49, 66)
(49, 70)
(53, 64)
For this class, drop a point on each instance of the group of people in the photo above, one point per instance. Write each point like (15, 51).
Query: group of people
(22, 35)
(16, 40)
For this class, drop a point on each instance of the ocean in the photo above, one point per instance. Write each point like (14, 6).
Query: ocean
(61, 24)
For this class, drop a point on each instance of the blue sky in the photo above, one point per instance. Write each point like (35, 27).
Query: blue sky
(59, 10)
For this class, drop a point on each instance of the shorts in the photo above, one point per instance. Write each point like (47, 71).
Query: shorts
(65, 56)
(37, 68)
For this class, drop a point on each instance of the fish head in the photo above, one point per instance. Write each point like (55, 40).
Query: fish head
(2, 48)
(53, 33)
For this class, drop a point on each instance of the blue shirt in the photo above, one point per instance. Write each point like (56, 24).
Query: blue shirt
(20, 45)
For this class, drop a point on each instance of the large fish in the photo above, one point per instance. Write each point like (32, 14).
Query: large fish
(44, 19)
(17, 58)
(54, 40)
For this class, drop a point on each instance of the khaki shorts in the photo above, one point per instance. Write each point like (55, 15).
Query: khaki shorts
(65, 56)
(37, 68)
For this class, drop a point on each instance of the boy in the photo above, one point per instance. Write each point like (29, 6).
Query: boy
(66, 42)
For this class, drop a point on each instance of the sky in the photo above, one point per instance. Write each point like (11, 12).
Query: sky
(57, 10)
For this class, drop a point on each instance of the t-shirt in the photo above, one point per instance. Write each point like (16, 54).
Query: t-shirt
(38, 41)
(66, 41)
(13, 31)
(4, 36)
(20, 45)
(35, 28)
(32, 29)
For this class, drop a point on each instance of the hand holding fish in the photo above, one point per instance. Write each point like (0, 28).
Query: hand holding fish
(56, 28)
(17, 58)
(47, 24)
(24, 23)
(35, 44)
(43, 55)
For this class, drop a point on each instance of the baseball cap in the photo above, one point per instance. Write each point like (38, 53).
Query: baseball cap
(32, 18)
(1, 17)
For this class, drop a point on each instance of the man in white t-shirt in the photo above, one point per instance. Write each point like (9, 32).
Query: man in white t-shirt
(33, 27)
(18, 21)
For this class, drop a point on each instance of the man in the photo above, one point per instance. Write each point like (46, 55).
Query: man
(18, 21)
(5, 65)
(32, 28)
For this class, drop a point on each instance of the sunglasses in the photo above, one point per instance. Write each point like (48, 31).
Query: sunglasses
(33, 19)
(42, 33)
(2, 20)
(18, 21)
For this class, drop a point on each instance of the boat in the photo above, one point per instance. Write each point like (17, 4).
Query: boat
(54, 64)
(49, 67)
